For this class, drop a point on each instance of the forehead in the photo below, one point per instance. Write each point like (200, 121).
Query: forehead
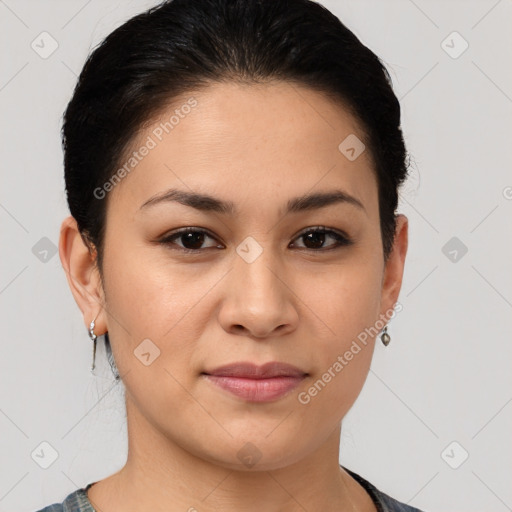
(246, 142)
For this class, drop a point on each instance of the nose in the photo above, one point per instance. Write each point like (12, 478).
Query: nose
(258, 302)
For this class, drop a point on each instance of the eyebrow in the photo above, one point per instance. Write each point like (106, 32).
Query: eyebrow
(207, 203)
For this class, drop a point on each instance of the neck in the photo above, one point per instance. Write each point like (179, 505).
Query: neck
(160, 475)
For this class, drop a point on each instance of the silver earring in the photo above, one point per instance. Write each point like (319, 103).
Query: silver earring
(385, 337)
(93, 338)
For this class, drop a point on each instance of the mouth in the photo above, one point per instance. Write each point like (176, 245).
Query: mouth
(253, 383)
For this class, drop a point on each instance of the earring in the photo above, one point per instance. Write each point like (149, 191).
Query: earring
(385, 337)
(93, 338)
(110, 357)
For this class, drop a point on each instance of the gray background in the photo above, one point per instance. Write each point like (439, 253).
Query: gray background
(446, 375)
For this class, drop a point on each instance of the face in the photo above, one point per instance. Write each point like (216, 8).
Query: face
(254, 276)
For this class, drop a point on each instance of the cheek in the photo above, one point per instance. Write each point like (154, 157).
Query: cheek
(147, 300)
(346, 307)
(344, 300)
(152, 296)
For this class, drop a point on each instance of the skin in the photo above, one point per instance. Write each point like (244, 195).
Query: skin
(257, 146)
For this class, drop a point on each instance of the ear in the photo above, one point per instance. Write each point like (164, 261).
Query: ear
(79, 263)
(394, 269)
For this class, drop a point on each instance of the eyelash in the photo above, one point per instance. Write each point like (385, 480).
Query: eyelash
(341, 239)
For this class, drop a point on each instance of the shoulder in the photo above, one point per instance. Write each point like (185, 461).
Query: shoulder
(56, 507)
(77, 501)
(383, 501)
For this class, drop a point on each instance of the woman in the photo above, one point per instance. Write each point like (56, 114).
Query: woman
(232, 170)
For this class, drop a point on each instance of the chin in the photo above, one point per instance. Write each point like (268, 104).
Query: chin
(259, 454)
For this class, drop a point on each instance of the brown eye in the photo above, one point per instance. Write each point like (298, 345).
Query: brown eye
(314, 239)
(191, 239)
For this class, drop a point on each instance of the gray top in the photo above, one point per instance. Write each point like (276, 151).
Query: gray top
(77, 501)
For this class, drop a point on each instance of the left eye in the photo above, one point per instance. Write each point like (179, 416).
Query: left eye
(314, 238)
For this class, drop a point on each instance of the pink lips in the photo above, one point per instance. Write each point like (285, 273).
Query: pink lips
(257, 383)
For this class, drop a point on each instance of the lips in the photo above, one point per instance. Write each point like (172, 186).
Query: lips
(255, 383)
(252, 371)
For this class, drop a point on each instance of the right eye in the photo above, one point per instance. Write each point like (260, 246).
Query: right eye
(191, 240)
